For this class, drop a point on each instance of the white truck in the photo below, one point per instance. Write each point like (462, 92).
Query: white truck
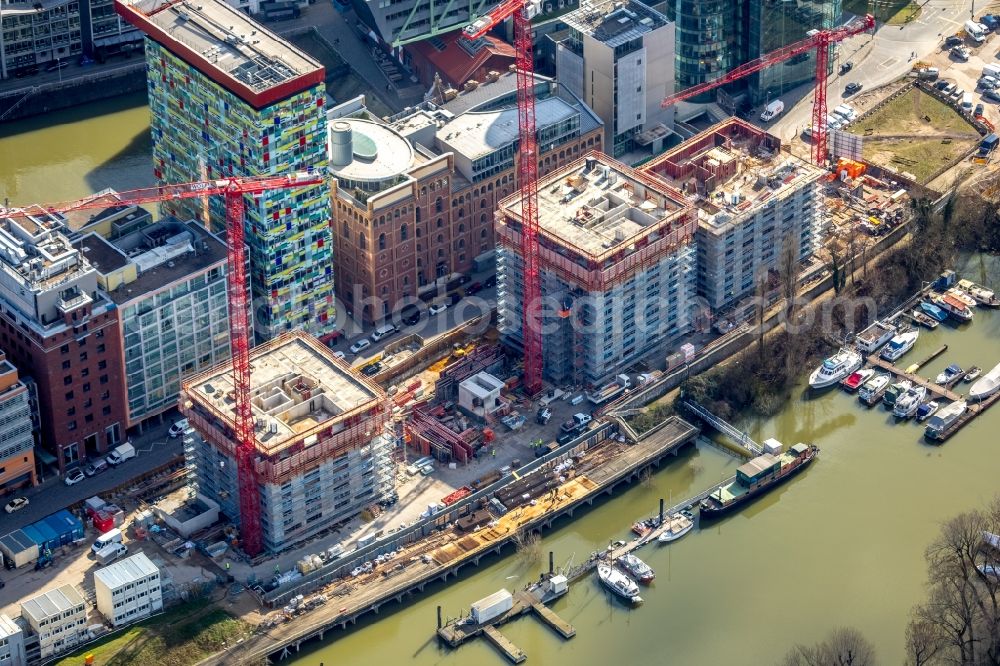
(110, 537)
(975, 32)
(120, 454)
(772, 110)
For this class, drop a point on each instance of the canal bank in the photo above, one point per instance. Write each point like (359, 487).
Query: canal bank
(840, 546)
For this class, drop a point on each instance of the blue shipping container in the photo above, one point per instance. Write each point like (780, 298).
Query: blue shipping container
(73, 523)
(49, 536)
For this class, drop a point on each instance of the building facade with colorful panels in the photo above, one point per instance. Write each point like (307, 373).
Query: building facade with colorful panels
(247, 104)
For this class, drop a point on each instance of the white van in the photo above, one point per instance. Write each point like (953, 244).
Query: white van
(772, 110)
(120, 454)
(383, 332)
(846, 112)
(992, 70)
(967, 102)
(113, 535)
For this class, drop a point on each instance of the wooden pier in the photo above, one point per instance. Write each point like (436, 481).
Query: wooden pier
(512, 652)
(975, 409)
(938, 391)
(548, 616)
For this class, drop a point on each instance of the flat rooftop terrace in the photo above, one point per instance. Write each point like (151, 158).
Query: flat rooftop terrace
(598, 203)
(297, 385)
(227, 45)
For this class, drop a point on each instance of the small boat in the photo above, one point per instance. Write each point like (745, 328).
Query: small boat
(619, 583)
(636, 568)
(872, 338)
(643, 527)
(907, 404)
(973, 374)
(924, 320)
(871, 391)
(948, 374)
(895, 391)
(956, 308)
(835, 368)
(962, 296)
(991, 540)
(677, 526)
(926, 410)
(989, 570)
(933, 311)
(986, 385)
(854, 381)
(899, 345)
(982, 295)
(938, 424)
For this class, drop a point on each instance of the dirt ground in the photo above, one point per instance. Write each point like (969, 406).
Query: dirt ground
(915, 133)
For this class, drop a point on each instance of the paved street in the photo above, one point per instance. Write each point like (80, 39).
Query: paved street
(153, 449)
(877, 60)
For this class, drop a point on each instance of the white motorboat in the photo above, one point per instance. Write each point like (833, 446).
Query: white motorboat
(636, 568)
(835, 368)
(982, 295)
(948, 374)
(938, 424)
(927, 410)
(986, 385)
(871, 390)
(962, 296)
(677, 526)
(620, 584)
(900, 344)
(907, 404)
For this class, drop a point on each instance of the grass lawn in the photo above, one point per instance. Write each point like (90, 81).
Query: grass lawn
(182, 636)
(893, 12)
(915, 133)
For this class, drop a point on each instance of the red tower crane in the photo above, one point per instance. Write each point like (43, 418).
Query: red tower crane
(819, 41)
(522, 12)
(233, 189)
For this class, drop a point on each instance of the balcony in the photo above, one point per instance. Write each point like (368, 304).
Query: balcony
(72, 302)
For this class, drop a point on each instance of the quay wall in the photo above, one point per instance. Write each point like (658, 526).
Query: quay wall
(55, 95)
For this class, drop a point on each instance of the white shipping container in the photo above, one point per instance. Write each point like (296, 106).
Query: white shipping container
(772, 446)
(492, 606)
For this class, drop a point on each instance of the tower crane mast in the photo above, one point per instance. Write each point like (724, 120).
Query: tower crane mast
(233, 189)
(819, 41)
(522, 12)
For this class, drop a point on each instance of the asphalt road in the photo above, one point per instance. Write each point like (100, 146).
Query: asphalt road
(153, 449)
(877, 60)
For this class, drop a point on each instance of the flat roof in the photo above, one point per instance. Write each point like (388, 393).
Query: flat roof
(378, 152)
(477, 134)
(598, 203)
(297, 385)
(188, 249)
(52, 602)
(8, 627)
(226, 45)
(125, 571)
(614, 22)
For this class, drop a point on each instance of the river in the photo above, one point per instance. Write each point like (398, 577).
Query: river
(840, 545)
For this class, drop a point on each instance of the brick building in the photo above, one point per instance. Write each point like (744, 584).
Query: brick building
(57, 326)
(413, 199)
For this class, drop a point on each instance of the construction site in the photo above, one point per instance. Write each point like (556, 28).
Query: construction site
(323, 447)
(615, 254)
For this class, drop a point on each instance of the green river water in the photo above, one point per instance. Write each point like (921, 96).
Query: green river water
(842, 544)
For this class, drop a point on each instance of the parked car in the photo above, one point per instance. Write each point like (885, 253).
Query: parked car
(437, 308)
(928, 73)
(565, 437)
(474, 288)
(992, 95)
(411, 318)
(95, 467)
(941, 85)
(361, 344)
(465, 279)
(846, 67)
(979, 109)
(383, 331)
(491, 281)
(16, 504)
(73, 477)
(852, 87)
(371, 369)
(960, 53)
(988, 83)
(178, 428)
(339, 354)
(953, 40)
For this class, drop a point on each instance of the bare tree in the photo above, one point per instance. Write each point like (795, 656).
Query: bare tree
(924, 641)
(846, 646)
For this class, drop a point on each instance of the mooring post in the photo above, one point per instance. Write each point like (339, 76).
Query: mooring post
(551, 565)
(439, 617)
(661, 511)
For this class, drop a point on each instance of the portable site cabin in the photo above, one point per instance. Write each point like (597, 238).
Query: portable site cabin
(18, 548)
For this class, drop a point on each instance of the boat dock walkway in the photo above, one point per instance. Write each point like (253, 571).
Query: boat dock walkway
(937, 390)
(548, 616)
(975, 409)
(512, 652)
(740, 437)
